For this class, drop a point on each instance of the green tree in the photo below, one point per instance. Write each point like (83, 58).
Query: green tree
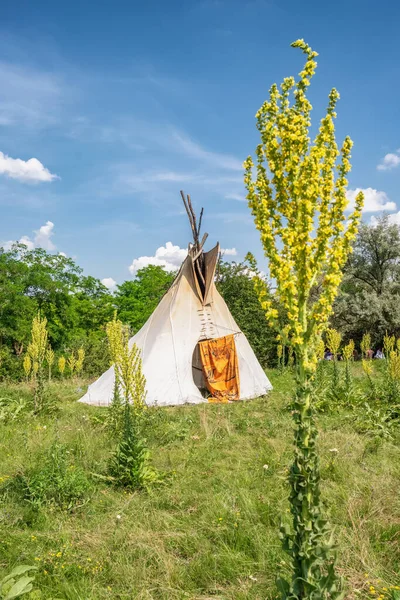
(76, 307)
(369, 298)
(135, 300)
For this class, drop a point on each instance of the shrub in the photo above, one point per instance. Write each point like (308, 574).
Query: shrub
(53, 480)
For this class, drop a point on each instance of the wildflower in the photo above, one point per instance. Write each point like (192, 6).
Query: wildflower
(299, 205)
(118, 517)
(265, 467)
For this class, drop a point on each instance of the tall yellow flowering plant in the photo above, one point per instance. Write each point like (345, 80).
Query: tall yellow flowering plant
(37, 352)
(297, 196)
(129, 466)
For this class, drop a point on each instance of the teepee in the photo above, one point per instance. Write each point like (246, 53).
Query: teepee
(192, 349)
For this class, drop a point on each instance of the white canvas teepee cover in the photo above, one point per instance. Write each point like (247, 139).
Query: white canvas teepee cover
(169, 339)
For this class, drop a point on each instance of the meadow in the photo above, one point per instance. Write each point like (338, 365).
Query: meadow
(210, 528)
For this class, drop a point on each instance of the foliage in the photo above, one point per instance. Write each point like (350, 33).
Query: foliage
(299, 210)
(80, 360)
(212, 530)
(135, 300)
(129, 465)
(369, 298)
(27, 362)
(71, 363)
(53, 480)
(127, 363)
(50, 358)
(17, 583)
(333, 340)
(76, 307)
(37, 353)
(365, 344)
(61, 365)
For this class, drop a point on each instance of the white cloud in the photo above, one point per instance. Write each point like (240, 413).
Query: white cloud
(389, 161)
(194, 150)
(29, 97)
(109, 282)
(374, 200)
(23, 240)
(238, 197)
(27, 241)
(41, 239)
(169, 256)
(31, 171)
(43, 235)
(229, 251)
(394, 218)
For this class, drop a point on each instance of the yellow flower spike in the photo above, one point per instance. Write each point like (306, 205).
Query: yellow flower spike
(297, 196)
(127, 364)
(61, 364)
(365, 344)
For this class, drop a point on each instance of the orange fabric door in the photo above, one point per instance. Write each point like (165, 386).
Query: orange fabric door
(220, 368)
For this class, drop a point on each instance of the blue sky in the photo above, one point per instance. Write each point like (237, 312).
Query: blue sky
(125, 103)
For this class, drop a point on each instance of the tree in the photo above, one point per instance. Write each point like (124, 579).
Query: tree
(237, 288)
(298, 201)
(135, 300)
(76, 307)
(369, 298)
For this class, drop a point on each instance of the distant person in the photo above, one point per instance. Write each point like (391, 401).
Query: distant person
(369, 353)
(379, 354)
(328, 355)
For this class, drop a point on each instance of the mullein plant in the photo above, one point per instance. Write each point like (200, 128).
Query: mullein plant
(368, 369)
(279, 354)
(333, 341)
(116, 333)
(348, 356)
(129, 465)
(37, 352)
(290, 357)
(61, 365)
(80, 360)
(298, 200)
(50, 357)
(365, 346)
(27, 364)
(72, 363)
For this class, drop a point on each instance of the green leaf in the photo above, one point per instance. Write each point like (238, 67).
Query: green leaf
(18, 571)
(22, 586)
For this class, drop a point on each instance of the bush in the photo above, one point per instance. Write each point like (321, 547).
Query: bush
(53, 480)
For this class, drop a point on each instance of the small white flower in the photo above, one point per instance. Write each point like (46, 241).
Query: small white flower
(252, 578)
(44, 427)
(334, 450)
(265, 467)
(118, 517)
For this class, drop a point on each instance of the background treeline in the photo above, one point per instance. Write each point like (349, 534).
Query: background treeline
(77, 307)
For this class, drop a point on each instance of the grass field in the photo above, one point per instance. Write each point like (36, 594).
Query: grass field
(210, 529)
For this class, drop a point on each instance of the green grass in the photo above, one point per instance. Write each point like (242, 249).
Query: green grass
(210, 530)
